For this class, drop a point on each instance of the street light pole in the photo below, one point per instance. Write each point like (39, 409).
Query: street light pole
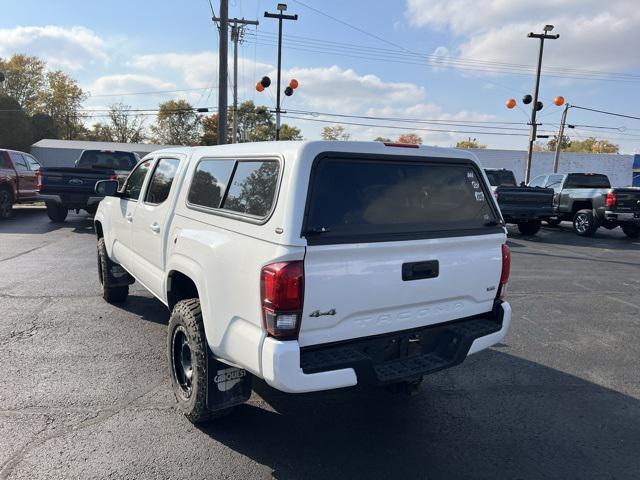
(282, 7)
(534, 107)
(563, 121)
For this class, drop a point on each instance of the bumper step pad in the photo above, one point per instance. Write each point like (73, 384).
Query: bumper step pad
(405, 355)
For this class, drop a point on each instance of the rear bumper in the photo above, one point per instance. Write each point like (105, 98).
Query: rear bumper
(71, 202)
(514, 213)
(626, 217)
(381, 360)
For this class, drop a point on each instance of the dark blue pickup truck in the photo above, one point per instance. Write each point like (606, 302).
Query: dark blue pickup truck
(64, 189)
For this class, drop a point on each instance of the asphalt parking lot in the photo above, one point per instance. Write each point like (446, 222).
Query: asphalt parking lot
(85, 388)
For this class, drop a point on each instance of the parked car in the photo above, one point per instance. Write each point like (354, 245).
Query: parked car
(17, 179)
(619, 207)
(312, 265)
(521, 205)
(574, 197)
(64, 189)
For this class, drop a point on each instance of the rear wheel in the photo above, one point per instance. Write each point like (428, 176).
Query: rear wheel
(111, 293)
(631, 231)
(529, 227)
(584, 223)
(187, 351)
(57, 212)
(6, 203)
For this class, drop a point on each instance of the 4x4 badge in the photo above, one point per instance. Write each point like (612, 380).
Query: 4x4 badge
(318, 313)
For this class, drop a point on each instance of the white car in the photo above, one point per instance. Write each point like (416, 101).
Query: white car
(312, 265)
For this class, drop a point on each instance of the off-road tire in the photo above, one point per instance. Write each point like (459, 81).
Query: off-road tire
(631, 231)
(585, 223)
(553, 222)
(530, 227)
(186, 318)
(57, 212)
(6, 203)
(111, 293)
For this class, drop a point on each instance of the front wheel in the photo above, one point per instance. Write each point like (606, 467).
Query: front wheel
(57, 212)
(631, 231)
(584, 223)
(110, 292)
(529, 227)
(6, 203)
(187, 351)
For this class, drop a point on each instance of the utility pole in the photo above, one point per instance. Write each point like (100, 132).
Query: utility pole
(236, 36)
(556, 158)
(534, 107)
(222, 70)
(282, 7)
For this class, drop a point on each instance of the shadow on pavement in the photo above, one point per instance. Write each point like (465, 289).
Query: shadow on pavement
(524, 420)
(147, 308)
(34, 220)
(564, 235)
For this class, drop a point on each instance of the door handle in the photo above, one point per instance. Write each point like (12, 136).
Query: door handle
(155, 228)
(420, 270)
(129, 217)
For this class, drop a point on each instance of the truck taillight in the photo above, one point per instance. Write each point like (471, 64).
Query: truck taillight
(38, 180)
(282, 293)
(610, 200)
(506, 270)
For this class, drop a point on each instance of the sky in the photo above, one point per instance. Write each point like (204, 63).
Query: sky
(442, 69)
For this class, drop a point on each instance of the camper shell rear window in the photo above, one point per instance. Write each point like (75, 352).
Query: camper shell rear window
(368, 198)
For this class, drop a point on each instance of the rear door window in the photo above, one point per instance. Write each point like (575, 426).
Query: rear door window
(587, 180)
(19, 162)
(381, 200)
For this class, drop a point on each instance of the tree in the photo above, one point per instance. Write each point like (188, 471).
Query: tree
(382, 139)
(255, 123)
(593, 145)
(335, 132)
(287, 132)
(61, 99)
(124, 127)
(15, 125)
(43, 126)
(99, 132)
(177, 124)
(469, 143)
(564, 144)
(25, 80)
(410, 138)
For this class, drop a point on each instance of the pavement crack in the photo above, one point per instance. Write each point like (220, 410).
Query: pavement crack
(23, 253)
(38, 439)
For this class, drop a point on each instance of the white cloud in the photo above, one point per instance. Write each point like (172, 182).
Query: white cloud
(72, 48)
(593, 34)
(127, 83)
(198, 70)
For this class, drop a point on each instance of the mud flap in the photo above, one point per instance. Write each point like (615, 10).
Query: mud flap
(227, 385)
(119, 276)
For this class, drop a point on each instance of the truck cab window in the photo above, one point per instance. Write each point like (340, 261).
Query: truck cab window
(538, 181)
(133, 187)
(19, 163)
(161, 180)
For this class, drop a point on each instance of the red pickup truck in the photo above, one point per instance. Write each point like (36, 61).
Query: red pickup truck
(17, 179)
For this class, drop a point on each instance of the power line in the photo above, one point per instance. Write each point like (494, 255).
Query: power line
(606, 113)
(150, 92)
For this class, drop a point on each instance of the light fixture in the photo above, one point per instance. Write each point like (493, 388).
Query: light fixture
(548, 28)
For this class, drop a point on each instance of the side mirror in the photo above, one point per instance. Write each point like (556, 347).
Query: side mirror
(108, 188)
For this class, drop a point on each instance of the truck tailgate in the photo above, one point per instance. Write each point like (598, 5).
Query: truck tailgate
(385, 287)
(71, 181)
(530, 196)
(627, 200)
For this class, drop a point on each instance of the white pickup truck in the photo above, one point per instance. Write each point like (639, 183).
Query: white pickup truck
(312, 265)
